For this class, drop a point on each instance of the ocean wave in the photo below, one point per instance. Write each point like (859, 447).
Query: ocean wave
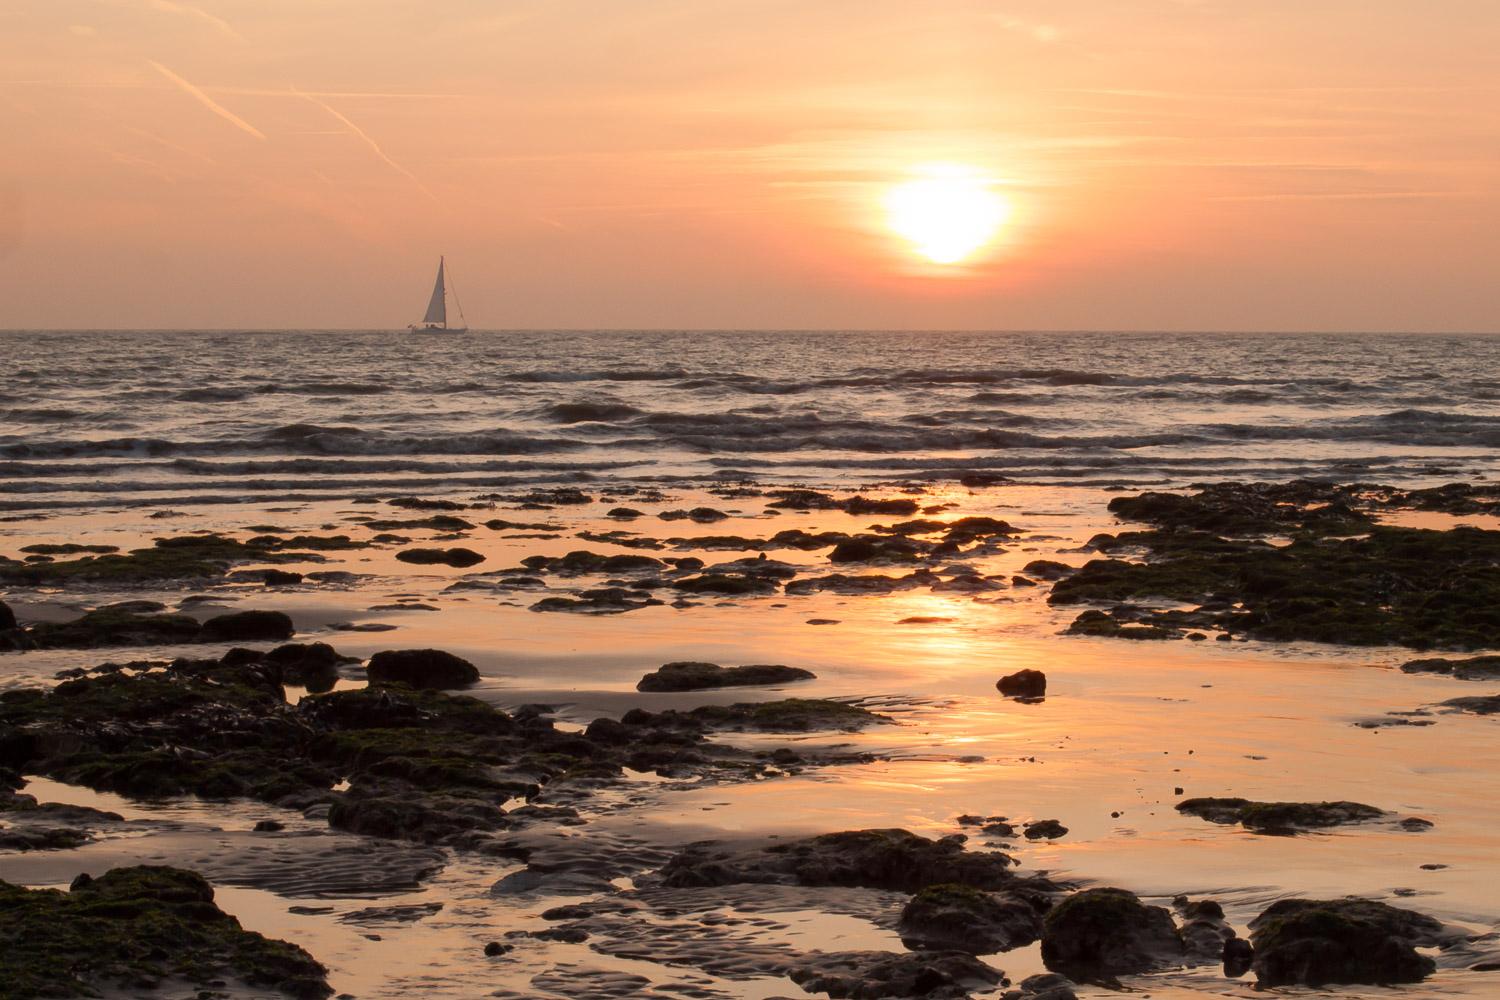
(306, 439)
(325, 388)
(604, 375)
(41, 414)
(588, 412)
(212, 395)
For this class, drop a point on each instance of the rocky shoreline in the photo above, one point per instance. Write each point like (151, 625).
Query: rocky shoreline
(381, 746)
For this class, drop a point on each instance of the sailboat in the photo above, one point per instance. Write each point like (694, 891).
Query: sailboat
(436, 320)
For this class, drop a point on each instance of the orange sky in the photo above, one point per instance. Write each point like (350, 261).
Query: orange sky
(1170, 164)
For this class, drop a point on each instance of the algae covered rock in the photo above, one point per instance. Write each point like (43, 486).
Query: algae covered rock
(1340, 579)
(954, 917)
(248, 626)
(694, 676)
(1279, 817)
(457, 557)
(1101, 933)
(132, 929)
(1476, 668)
(432, 669)
(122, 625)
(873, 975)
(873, 859)
(1318, 942)
(789, 715)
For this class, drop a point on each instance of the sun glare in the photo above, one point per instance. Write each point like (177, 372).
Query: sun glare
(947, 212)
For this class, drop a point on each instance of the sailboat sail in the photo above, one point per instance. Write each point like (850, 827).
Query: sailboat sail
(437, 307)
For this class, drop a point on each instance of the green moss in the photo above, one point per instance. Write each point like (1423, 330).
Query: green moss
(131, 929)
(181, 558)
(1279, 817)
(67, 549)
(1317, 942)
(1402, 586)
(790, 715)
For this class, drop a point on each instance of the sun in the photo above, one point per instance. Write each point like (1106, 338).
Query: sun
(947, 212)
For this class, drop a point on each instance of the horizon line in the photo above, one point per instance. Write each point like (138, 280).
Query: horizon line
(767, 329)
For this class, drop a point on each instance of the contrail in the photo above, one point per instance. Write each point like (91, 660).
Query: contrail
(208, 102)
(374, 146)
(171, 7)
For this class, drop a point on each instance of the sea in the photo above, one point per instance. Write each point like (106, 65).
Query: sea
(103, 416)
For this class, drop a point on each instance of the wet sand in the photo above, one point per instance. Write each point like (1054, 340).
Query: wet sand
(1123, 727)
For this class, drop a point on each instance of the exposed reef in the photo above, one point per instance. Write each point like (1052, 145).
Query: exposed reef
(1292, 561)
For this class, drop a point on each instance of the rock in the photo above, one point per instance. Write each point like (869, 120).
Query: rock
(1279, 817)
(551, 883)
(692, 676)
(458, 557)
(1023, 684)
(280, 578)
(1045, 829)
(1316, 943)
(1476, 704)
(726, 583)
(1331, 583)
(875, 548)
(34, 838)
(950, 917)
(248, 626)
(873, 975)
(1046, 569)
(132, 928)
(1101, 933)
(7, 617)
(1206, 935)
(1043, 986)
(269, 826)
(311, 665)
(702, 515)
(865, 505)
(431, 669)
(873, 859)
(495, 948)
(1238, 956)
(789, 715)
(1478, 668)
(117, 625)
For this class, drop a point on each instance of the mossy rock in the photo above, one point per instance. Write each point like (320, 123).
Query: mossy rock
(132, 929)
(1097, 934)
(789, 715)
(1279, 817)
(186, 557)
(1383, 586)
(959, 917)
(694, 676)
(1322, 942)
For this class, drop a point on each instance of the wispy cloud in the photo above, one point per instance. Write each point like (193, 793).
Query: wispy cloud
(364, 137)
(187, 10)
(1039, 31)
(169, 144)
(208, 102)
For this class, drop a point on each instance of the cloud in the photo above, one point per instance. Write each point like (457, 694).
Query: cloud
(206, 101)
(187, 10)
(1037, 30)
(364, 137)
